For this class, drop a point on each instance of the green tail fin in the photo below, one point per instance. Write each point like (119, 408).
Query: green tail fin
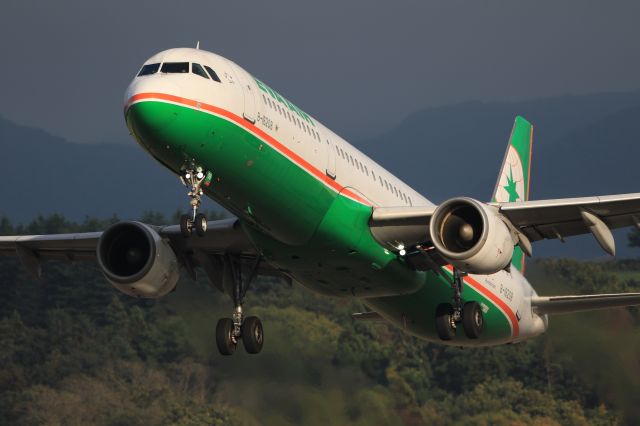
(515, 173)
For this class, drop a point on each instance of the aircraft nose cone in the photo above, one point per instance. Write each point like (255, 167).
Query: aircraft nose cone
(146, 114)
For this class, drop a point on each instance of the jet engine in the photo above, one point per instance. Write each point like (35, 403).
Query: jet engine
(137, 261)
(471, 236)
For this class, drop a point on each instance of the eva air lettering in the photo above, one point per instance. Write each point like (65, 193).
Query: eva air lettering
(275, 95)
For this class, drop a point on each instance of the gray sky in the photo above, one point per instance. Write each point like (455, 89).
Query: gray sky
(358, 66)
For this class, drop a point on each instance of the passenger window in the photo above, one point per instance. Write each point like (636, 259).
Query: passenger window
(175, 67)
(198, 70)
(212, 73)
(149, 69)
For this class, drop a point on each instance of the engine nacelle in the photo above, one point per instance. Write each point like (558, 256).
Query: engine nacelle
(137, 261)
(471, 236)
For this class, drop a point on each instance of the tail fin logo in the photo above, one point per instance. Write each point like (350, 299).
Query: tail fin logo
(511, 185)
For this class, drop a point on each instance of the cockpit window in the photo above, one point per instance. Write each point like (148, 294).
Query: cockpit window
(149, 69)
(198, 70)
(212, 73)
(175, 67)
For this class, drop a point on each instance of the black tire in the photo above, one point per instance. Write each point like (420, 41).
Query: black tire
(252, 335)
(444, 322)
(472, 319)
(201, 224)
(185, 225)
(224, 336)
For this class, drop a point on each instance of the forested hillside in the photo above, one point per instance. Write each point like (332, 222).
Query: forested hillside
(75, 351)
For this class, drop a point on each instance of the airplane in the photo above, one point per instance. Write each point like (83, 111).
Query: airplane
(312, 209)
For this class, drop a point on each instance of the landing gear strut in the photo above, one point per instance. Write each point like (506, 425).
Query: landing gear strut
(449, 316)
(198, 221)
(230, 331)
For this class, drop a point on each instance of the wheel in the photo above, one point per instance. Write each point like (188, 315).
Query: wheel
(201, 224)
(252, 335)
(472, 319)
(185, 225)
(224, 336)
(445, 325)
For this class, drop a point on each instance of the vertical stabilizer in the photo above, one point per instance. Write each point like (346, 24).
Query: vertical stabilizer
(515, 173)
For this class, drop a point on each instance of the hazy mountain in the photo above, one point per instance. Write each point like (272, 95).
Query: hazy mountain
(43, 174)
(457, 149)
(583, 145)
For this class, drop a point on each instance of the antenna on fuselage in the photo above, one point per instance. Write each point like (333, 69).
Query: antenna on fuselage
(198, 45)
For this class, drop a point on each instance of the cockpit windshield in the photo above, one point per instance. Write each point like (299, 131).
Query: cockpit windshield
(180, 68)
(212, 73)
(175, 67)
(198, 70)
(149, 69)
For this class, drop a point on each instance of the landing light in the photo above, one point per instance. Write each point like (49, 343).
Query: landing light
(200, 175)
(403, 252)
(187, 176)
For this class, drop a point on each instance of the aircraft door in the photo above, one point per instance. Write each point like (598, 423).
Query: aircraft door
(248, 89)
(331, 159)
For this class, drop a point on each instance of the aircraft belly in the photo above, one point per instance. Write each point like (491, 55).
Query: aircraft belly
(342, 259)
(416, 313)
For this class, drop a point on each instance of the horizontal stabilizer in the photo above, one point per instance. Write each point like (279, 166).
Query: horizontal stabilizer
(569, 304)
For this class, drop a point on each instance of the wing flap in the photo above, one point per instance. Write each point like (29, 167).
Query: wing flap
(569, 304)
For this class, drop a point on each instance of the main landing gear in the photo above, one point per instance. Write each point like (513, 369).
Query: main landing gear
(198, 221)
(230, 331)
(449, 316)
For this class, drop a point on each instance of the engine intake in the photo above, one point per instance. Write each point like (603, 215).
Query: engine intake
(471, 236)
(137, 261)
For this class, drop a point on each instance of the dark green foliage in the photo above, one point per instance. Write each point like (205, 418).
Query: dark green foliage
(75, 351)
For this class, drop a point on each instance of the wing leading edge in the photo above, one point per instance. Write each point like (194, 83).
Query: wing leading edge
(223, 237)
(537, 220)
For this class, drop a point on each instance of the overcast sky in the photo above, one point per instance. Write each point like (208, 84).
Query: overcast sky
(358, 66)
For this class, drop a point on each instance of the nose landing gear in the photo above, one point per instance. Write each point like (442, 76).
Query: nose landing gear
(448, 316)
(198, 221)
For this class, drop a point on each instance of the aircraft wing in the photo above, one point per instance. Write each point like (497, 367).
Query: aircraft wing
(548, 219)
(569, 304)
(223, 237)
(537, 220)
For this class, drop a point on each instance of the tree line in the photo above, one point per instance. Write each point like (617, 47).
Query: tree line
(75, 351)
